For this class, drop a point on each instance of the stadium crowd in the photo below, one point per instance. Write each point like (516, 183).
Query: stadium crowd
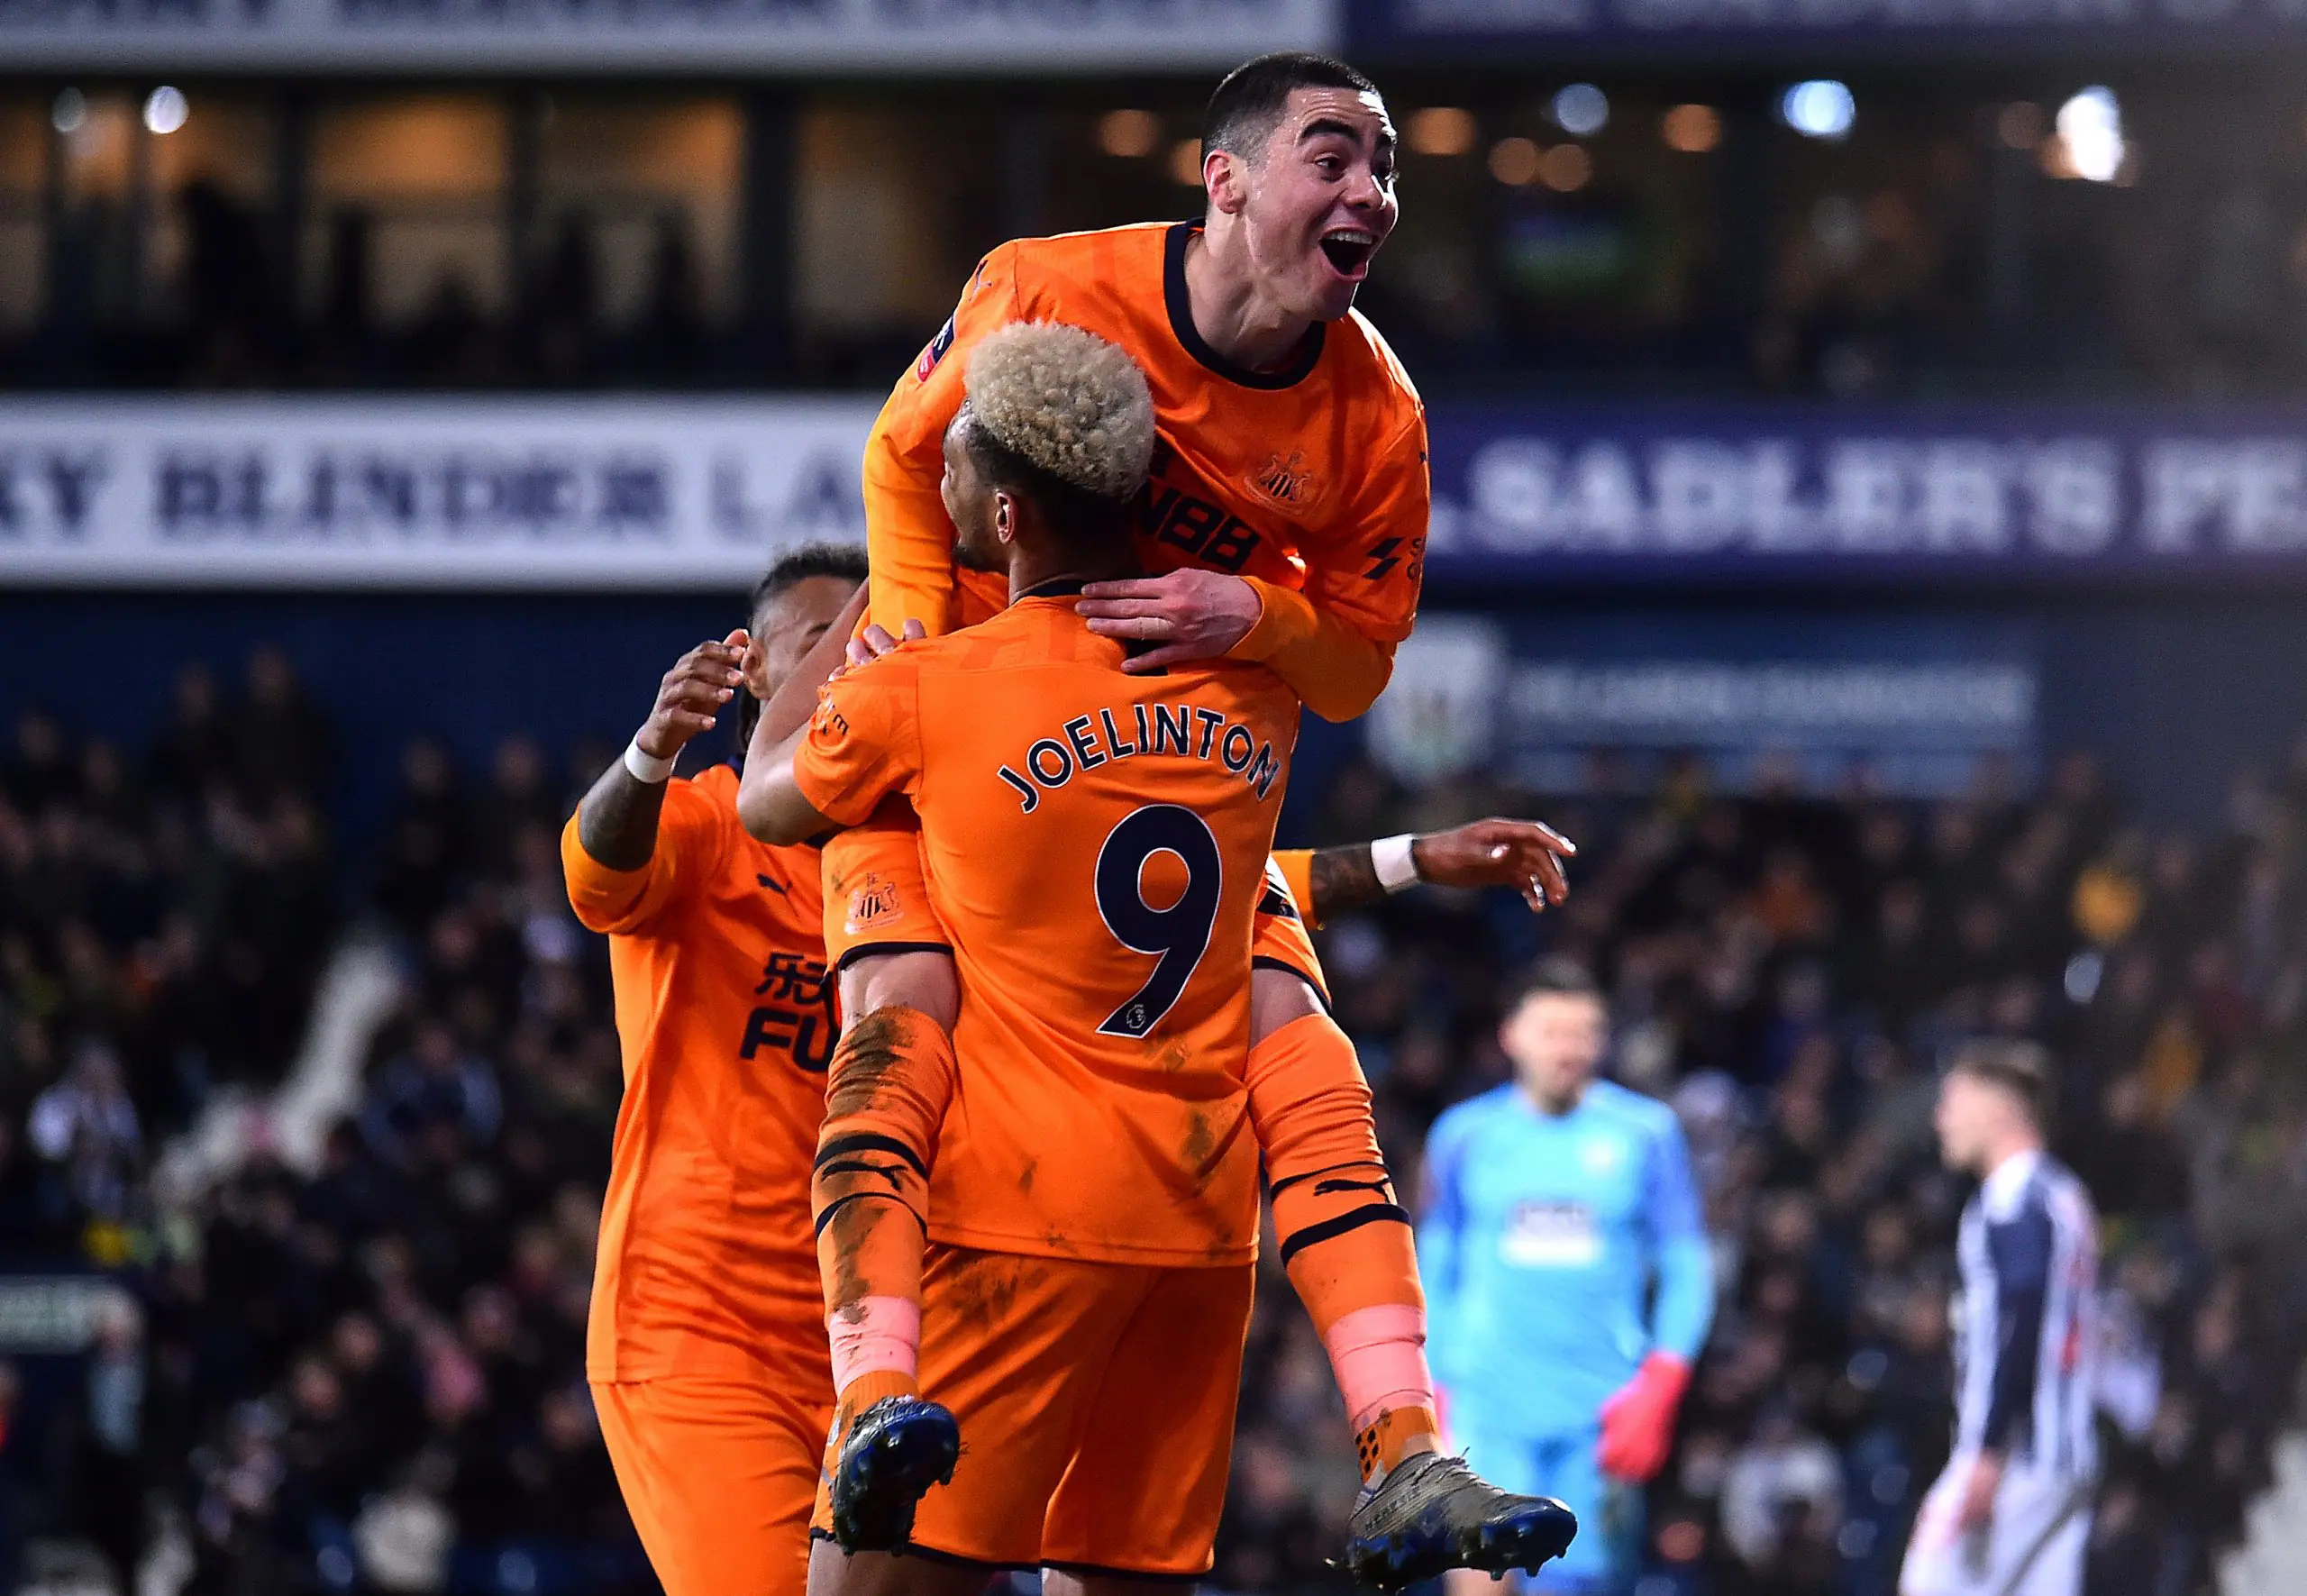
(1786, 968)
(369, 1375)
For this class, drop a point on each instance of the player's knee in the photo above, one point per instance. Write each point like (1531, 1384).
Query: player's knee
(918, 979)
(835, 1573)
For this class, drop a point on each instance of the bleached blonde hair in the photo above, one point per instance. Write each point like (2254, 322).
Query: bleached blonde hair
(1065, 402)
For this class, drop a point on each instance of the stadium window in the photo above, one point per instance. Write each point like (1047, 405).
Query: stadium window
(24, 133)
(407, 220)
(94, 273)
(1693, 130)
(895, 205)
(214, 192)
(1091, 184)
(1516, 161)
(1566, 168)
(1129, 135)
(639, 198)
(1442, 130)
(98, 152)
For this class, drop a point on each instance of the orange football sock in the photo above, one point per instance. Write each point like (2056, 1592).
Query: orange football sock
(886, 1094)
(1346, 1238)
(1394, 1435)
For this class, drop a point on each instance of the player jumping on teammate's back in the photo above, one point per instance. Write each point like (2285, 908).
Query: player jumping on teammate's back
(709, 1345)
(1096, 1209)
(1286, 510)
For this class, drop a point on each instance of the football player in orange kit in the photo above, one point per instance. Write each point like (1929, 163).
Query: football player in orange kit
(1287, 506)
(1093, 1212)
(707, 1342)
(706, 1346)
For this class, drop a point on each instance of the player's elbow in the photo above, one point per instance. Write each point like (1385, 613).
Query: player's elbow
(1347, 695)
(765, 819)
(592, 915)
(780, 830)
(776, 828)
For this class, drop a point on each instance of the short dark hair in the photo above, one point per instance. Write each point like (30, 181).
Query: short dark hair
(1082, 519)
(1554, 977)
(2021, 1068)
(1248, 106)
(845, 561)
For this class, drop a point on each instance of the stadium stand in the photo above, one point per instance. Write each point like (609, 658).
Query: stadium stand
(1786, 968)
(368, 1375)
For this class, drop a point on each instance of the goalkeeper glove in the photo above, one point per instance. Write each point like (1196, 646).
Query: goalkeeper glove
(1639, 1420)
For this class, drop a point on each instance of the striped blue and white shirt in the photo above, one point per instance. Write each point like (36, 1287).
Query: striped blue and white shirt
(2026, 1323)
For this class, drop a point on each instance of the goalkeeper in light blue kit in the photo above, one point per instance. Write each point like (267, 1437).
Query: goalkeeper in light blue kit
(1569, 1283)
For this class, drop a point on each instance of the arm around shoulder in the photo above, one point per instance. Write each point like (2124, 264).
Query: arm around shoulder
(1334, 641)
(770, 804)
(862, 744)
(1334, 670)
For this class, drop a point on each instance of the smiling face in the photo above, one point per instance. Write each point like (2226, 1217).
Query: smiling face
(1316, 202)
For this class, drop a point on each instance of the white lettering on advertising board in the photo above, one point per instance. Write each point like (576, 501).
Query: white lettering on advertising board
(672, 493)
(1965, 500)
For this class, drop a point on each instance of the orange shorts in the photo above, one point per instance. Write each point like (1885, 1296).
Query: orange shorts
(876, 901)
(1096, 1403)
(719, 1472)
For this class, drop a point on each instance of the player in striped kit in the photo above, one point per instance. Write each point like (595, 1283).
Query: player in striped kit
(2012, 1513)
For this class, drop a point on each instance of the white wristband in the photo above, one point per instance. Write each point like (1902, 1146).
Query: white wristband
(1396, 866)
(645, 766)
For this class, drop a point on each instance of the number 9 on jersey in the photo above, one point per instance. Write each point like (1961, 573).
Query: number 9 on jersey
(1179, 933)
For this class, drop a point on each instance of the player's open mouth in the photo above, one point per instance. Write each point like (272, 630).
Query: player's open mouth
(1348, 249)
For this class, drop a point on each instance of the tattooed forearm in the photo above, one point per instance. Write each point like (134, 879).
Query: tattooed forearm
(616, 822)
(1344, 879)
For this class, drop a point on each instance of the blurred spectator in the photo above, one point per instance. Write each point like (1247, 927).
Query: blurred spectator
(370, 1376)
(86, 1123)
(36, 1211)
(112, 1482)
(193, 748)
(36, 772)
(281, 741)
(520, 796)
(435, 1086)
(425, 839)
(1782, 1503)
(1790, 973)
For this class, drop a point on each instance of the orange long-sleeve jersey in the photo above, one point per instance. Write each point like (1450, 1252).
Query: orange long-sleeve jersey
(725, 1014)
(1096, 851)
(1310, 482)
